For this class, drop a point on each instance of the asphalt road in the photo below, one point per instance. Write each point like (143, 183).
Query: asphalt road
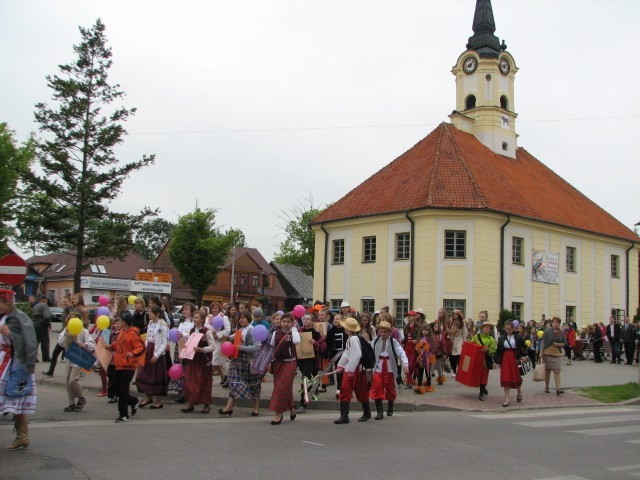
(580, 443)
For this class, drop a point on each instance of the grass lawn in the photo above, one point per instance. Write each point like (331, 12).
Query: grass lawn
(612, 393)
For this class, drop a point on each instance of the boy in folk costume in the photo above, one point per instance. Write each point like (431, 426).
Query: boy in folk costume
(354, 378)
(383, 386)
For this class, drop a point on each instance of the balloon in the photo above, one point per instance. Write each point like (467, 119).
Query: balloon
(75, 326)
(516, 323)
(173, 335)
(527, 343)
(227, 349)
(143, 337)
(299, 311)
(176, 371)
(260, 333)
(218, 323)
(103, 311)
(103, 322)
(103, 301)
(540, 333)
(131, 299)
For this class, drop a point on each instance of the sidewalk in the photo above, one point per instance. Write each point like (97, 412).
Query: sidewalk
(450, 396)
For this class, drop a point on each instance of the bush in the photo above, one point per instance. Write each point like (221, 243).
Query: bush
(503, 317)
(25, 307)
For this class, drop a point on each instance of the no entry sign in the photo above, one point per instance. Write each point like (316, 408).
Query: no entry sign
(13, 270)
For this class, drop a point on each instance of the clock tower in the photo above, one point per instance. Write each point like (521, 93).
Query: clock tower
(485, 75)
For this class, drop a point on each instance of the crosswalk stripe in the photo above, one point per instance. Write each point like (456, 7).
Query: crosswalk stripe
(623, 468)
(552, 413)
(568, 422)
(595, 432)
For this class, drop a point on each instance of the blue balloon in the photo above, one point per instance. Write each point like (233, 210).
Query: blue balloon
(260, 333)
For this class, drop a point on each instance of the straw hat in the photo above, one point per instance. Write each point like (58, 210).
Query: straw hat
(384, 325)
(350, 324)
(485, 324)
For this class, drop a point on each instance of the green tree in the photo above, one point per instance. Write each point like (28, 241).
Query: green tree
(236, 237)
(79, 173)
(198, 250)
(15, 161)
(152, 236)
(502, 318)
(298, 248)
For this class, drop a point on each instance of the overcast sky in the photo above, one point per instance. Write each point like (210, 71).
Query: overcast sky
(251, 107)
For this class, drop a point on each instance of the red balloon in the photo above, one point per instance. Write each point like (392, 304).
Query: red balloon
(228, 349)
(176, 371)
(103, 301)
(299, 311)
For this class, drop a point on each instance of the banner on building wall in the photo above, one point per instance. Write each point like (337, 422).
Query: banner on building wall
(545, 267)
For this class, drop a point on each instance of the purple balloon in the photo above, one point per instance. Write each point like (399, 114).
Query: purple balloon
(218, 323)
(103, 311)
(173, 335)
(516, 323)
(260, 333)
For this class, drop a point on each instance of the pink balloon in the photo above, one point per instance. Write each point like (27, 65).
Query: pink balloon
(227, 349)
(299, 311)
(103, 301)
(176, 371)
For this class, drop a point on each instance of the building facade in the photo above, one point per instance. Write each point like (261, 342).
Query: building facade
(467, 219)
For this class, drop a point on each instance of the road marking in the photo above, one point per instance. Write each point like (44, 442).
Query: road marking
(564, 477)
(624, 468)
(552, 413)
(560, 422)
(608, 431)
(311, 443)
(637, 442)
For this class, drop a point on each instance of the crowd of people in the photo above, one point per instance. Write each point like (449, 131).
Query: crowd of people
(362, 354)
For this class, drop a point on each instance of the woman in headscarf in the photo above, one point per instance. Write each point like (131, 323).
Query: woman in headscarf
(17, 346)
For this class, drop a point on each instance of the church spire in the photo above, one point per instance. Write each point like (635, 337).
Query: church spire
(483, 39)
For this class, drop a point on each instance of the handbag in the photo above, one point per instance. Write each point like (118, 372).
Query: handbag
(538, 373)
(263, 358)
(524, 366)
(18, 384)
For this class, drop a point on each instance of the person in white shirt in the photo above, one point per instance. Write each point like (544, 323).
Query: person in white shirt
(354, 378)
(383, 386)
(85, 341)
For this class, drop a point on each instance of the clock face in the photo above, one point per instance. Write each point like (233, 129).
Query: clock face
(504, 66)
(469, 65)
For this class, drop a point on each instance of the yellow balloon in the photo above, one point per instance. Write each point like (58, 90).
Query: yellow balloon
(527, 343)
(75, 326)
(103, 322)
(540, 333)
(131, 299)
(143, 337)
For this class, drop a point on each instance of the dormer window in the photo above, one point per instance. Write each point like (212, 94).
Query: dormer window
(99, 269)
(470, 102)
(504, 102)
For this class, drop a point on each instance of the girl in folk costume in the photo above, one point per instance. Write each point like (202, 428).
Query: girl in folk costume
(283, 368)
(243, 383)
(152, 377)
(323, 324)
(336, 342)
(354, 378)
(218, 360)
(17, 344)
(457, 335)
(485, 338)
(184, 329)
(383, 385)
(128, 348)
(366, 328)
(74, 372)
(411, 336)
(439, 346)
(198, 374)
(309, 366)
(425, 358)
(511, 348)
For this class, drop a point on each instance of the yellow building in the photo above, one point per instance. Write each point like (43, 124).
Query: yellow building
(467, 219)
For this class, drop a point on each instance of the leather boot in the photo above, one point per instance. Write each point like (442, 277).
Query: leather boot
(390, 408)
(366, 412)
(22, 430)
(344, 413)
(379, 409)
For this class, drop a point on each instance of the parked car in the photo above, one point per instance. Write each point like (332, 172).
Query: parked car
(56, 314)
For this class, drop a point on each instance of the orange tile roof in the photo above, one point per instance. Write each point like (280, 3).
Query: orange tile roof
(452, 169)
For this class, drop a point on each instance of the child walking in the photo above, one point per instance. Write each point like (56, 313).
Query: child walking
(383, 385)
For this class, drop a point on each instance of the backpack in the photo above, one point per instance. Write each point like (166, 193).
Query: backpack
(368, 359)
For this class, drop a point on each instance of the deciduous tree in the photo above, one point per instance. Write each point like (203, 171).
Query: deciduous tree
(298, 248)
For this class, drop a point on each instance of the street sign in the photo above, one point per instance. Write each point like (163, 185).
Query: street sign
(13, 270)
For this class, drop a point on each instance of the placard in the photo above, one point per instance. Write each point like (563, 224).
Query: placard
(304, 349)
